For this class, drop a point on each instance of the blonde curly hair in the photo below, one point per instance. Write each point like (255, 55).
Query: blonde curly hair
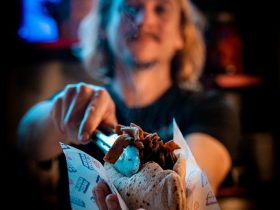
(186, 65)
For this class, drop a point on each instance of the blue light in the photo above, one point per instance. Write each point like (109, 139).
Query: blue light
(37, 25)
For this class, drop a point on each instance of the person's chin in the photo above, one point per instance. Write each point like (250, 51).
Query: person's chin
(143, 56)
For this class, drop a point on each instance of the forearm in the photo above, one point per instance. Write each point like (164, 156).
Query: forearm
(212, 157)
(38, 137)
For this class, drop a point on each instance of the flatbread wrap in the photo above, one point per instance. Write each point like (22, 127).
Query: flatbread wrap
(160, 181)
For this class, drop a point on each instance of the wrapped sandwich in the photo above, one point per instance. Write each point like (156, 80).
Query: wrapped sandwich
(160, 181)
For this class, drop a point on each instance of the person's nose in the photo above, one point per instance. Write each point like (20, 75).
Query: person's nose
(145, 17)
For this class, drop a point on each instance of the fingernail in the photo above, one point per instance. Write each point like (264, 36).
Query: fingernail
(111, 202)
(84, 136)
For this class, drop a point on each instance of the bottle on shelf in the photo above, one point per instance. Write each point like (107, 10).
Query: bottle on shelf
(226, 52)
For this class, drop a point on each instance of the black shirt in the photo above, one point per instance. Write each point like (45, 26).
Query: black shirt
(207, 112)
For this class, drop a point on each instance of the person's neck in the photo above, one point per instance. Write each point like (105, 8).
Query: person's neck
(141, 87)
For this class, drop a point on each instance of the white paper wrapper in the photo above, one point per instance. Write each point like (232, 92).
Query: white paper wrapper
(85, 172)
(200, 195)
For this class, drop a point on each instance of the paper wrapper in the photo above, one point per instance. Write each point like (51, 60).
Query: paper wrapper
(199, 193)
(85, 172)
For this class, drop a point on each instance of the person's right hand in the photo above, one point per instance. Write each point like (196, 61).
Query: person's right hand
(80, 108)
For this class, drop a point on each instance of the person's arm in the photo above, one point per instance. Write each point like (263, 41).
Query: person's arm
(213, 135)
(38, 136)
(212, 157)
(70, 117)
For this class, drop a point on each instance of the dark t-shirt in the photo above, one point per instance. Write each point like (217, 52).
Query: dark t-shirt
(206, 112)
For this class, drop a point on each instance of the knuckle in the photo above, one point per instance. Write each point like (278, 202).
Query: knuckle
(82, 84)
(101, 92)
(69, 87)
(83, 89)
(69, 90)
(57, 103)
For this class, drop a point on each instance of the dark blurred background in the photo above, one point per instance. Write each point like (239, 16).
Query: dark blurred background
(243, 60)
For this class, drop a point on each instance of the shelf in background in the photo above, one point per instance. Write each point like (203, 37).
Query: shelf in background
(237, 80)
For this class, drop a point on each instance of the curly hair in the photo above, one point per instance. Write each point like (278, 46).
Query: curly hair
(186, 65)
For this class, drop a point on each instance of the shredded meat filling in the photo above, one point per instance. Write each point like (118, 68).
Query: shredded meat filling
(150, 146)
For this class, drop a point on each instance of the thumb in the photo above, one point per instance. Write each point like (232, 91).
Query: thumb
(112, 202)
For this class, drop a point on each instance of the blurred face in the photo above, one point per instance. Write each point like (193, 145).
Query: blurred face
(144, 32)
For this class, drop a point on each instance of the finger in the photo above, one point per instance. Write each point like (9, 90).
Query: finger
(76, 112)
(69, 95)
(100, 109)
(104, 187)
(56, 113)
(112, 202)
(110, 119)
(101, 191)
(78, 104)
(70, 121)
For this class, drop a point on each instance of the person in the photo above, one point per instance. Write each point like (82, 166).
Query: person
(149, 54)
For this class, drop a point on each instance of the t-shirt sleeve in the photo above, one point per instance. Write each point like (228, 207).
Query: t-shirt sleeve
(214, 115)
